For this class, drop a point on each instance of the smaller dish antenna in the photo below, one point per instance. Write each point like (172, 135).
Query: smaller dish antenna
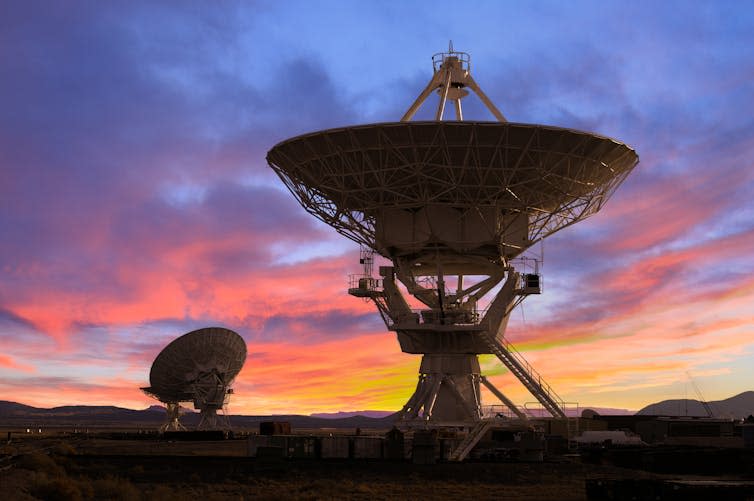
(197, 367)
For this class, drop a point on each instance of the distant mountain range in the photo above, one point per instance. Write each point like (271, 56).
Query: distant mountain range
(339, 415)
(737, 407)
(13, 414)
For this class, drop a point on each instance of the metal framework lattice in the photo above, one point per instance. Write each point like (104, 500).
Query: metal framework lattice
(555, 176)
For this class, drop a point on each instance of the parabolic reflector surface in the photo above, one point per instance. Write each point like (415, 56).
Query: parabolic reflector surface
(552, 176)
(189, 358)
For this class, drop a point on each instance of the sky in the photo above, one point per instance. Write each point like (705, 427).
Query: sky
(136, 203)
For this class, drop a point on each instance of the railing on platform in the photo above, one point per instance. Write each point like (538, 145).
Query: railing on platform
(497, 411)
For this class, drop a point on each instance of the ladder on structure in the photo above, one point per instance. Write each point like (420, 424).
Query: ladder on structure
(474, 436)
(525, 373)
(572, 430)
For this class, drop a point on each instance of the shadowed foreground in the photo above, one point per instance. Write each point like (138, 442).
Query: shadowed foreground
(60, 472)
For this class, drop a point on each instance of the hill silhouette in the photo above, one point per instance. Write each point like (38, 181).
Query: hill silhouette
(737, 407)
(14, 414)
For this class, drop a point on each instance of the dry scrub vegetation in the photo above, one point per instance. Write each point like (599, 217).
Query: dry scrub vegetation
(45, 476)
(63, 475)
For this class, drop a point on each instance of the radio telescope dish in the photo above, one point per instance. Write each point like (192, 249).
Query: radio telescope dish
(197, 367)
(453, 205)
(504, 185)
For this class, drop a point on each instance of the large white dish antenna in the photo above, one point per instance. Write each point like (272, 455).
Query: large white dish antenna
(454, 205)
(198, 367)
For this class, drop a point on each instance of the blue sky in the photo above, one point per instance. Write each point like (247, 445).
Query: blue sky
(136, 202)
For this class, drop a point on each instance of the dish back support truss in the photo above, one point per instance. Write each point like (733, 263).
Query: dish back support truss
(501, 174)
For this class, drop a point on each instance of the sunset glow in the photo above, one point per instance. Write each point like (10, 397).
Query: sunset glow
(136, 203)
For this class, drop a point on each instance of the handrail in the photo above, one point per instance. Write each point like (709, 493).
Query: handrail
(472, 438)
(463, 57)
(532, 380)
(497, 411)
(532, 371)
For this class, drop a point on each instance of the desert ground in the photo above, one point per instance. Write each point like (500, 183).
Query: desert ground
(81, 468)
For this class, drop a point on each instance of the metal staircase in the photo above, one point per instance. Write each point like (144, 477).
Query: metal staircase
(474, 436)
(525, 373)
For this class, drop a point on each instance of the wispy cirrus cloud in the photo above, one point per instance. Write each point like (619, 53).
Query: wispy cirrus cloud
(136, 204)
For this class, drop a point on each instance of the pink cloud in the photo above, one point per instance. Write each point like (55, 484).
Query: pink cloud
(10, 363)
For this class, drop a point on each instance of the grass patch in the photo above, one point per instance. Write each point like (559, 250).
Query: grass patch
(56, 489)
(41, 463)
(115, 489)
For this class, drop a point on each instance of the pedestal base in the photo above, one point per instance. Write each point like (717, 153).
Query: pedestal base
(447, 392)
(172, 418)
(211, 420)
